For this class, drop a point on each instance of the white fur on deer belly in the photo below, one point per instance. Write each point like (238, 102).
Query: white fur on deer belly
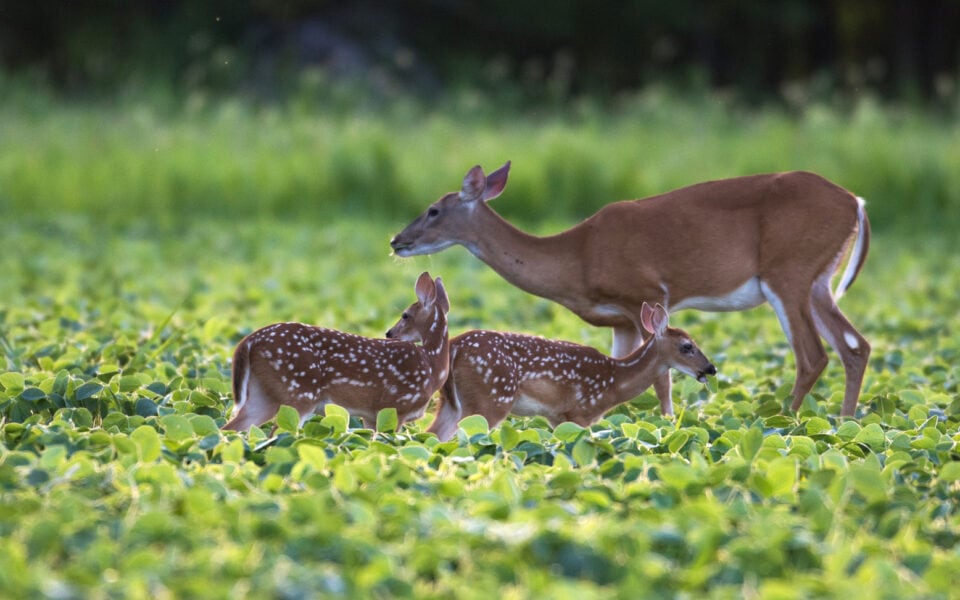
(746, 296)
(528, 406)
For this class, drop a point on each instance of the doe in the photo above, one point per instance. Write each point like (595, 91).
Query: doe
(723, 245)
(308, 367)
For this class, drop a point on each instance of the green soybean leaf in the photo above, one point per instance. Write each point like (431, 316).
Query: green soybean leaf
(387, 420)
(288, 419)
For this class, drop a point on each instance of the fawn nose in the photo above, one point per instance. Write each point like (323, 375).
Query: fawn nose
(389, 333)
(710, 370)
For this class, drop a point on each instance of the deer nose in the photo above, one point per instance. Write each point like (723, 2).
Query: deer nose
(710, 370)
(389, 333)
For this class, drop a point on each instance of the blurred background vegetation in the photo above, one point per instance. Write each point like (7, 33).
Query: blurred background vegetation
(165, 108)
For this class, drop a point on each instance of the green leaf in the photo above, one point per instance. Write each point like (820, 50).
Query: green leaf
(32, 394)
(815, 425)
(677, 440)
(232, 451)
(474, 424)
(176, 427)
(781, 472)
(568, 432)
(145, 407)
(129, 383)
(646, 401)
(313, 455)
(584, 452)
(872, 435)
(509, 438)
(87, 390)
(867, 482)
(387, 420)
(336, 422)
(750, 443)
(148, 443)
(204, 425)
(335, 410)
(288, 419)
(848, 431)
(950, 471)
(416, 453)
(12, 382)
(677, 474)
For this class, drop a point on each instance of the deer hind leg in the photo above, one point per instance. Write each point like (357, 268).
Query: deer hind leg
(256, 407)
(448, 414)
(853, 348)
(794, 312)
(628, 339)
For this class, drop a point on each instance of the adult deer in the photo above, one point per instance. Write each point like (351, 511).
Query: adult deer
(308, 367)
(722, 245)
(494, 373)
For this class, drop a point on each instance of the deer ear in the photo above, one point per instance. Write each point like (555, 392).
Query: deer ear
(646, 314)
(442, 299)
(660, 319)
(474, 182)
(426, 290)
(495, 183)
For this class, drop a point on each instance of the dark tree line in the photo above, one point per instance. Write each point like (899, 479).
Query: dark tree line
(898, 48)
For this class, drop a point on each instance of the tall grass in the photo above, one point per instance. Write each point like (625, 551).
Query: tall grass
(233, 159)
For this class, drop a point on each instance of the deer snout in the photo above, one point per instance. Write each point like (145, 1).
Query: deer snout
(389, 334)
(708, 370)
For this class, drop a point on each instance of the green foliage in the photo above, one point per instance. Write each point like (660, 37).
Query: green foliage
(233, 159)
(129, 275)
(115, 478)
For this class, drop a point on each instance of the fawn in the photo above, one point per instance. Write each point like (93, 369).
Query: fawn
(308, 367)
(494, 374)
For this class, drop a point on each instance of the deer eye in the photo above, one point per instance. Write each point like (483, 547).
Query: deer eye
(405, 316)
(433, 211)
(686, 347)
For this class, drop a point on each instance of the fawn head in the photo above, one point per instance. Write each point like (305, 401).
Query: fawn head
(444, 222)
(422, 316)
(673, 345)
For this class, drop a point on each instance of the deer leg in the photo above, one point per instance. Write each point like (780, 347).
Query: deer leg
(448, 412)
(853, 348)
(255, 409)
(797, 323)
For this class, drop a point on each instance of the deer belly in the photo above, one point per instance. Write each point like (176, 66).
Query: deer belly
(529, 406)
(746, 296)
(540, 397)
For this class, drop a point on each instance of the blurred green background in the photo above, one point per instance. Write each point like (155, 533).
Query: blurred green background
(166, 110)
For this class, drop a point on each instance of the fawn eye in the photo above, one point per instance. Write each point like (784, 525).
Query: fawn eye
(433, 211)
(405, 316)
(686, 347)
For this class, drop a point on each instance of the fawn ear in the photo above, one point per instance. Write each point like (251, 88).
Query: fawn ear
(474, 183)
(426, 290)
(659, 319)
(646, 313)
(442, 299)
(495, 183)
(655, 319)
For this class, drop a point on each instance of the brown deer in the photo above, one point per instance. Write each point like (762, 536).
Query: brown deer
(494, 374)
(722, 245)
(308, 367)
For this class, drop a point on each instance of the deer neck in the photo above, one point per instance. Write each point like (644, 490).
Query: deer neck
(436, 347)
(636, 372)
(538, 265)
